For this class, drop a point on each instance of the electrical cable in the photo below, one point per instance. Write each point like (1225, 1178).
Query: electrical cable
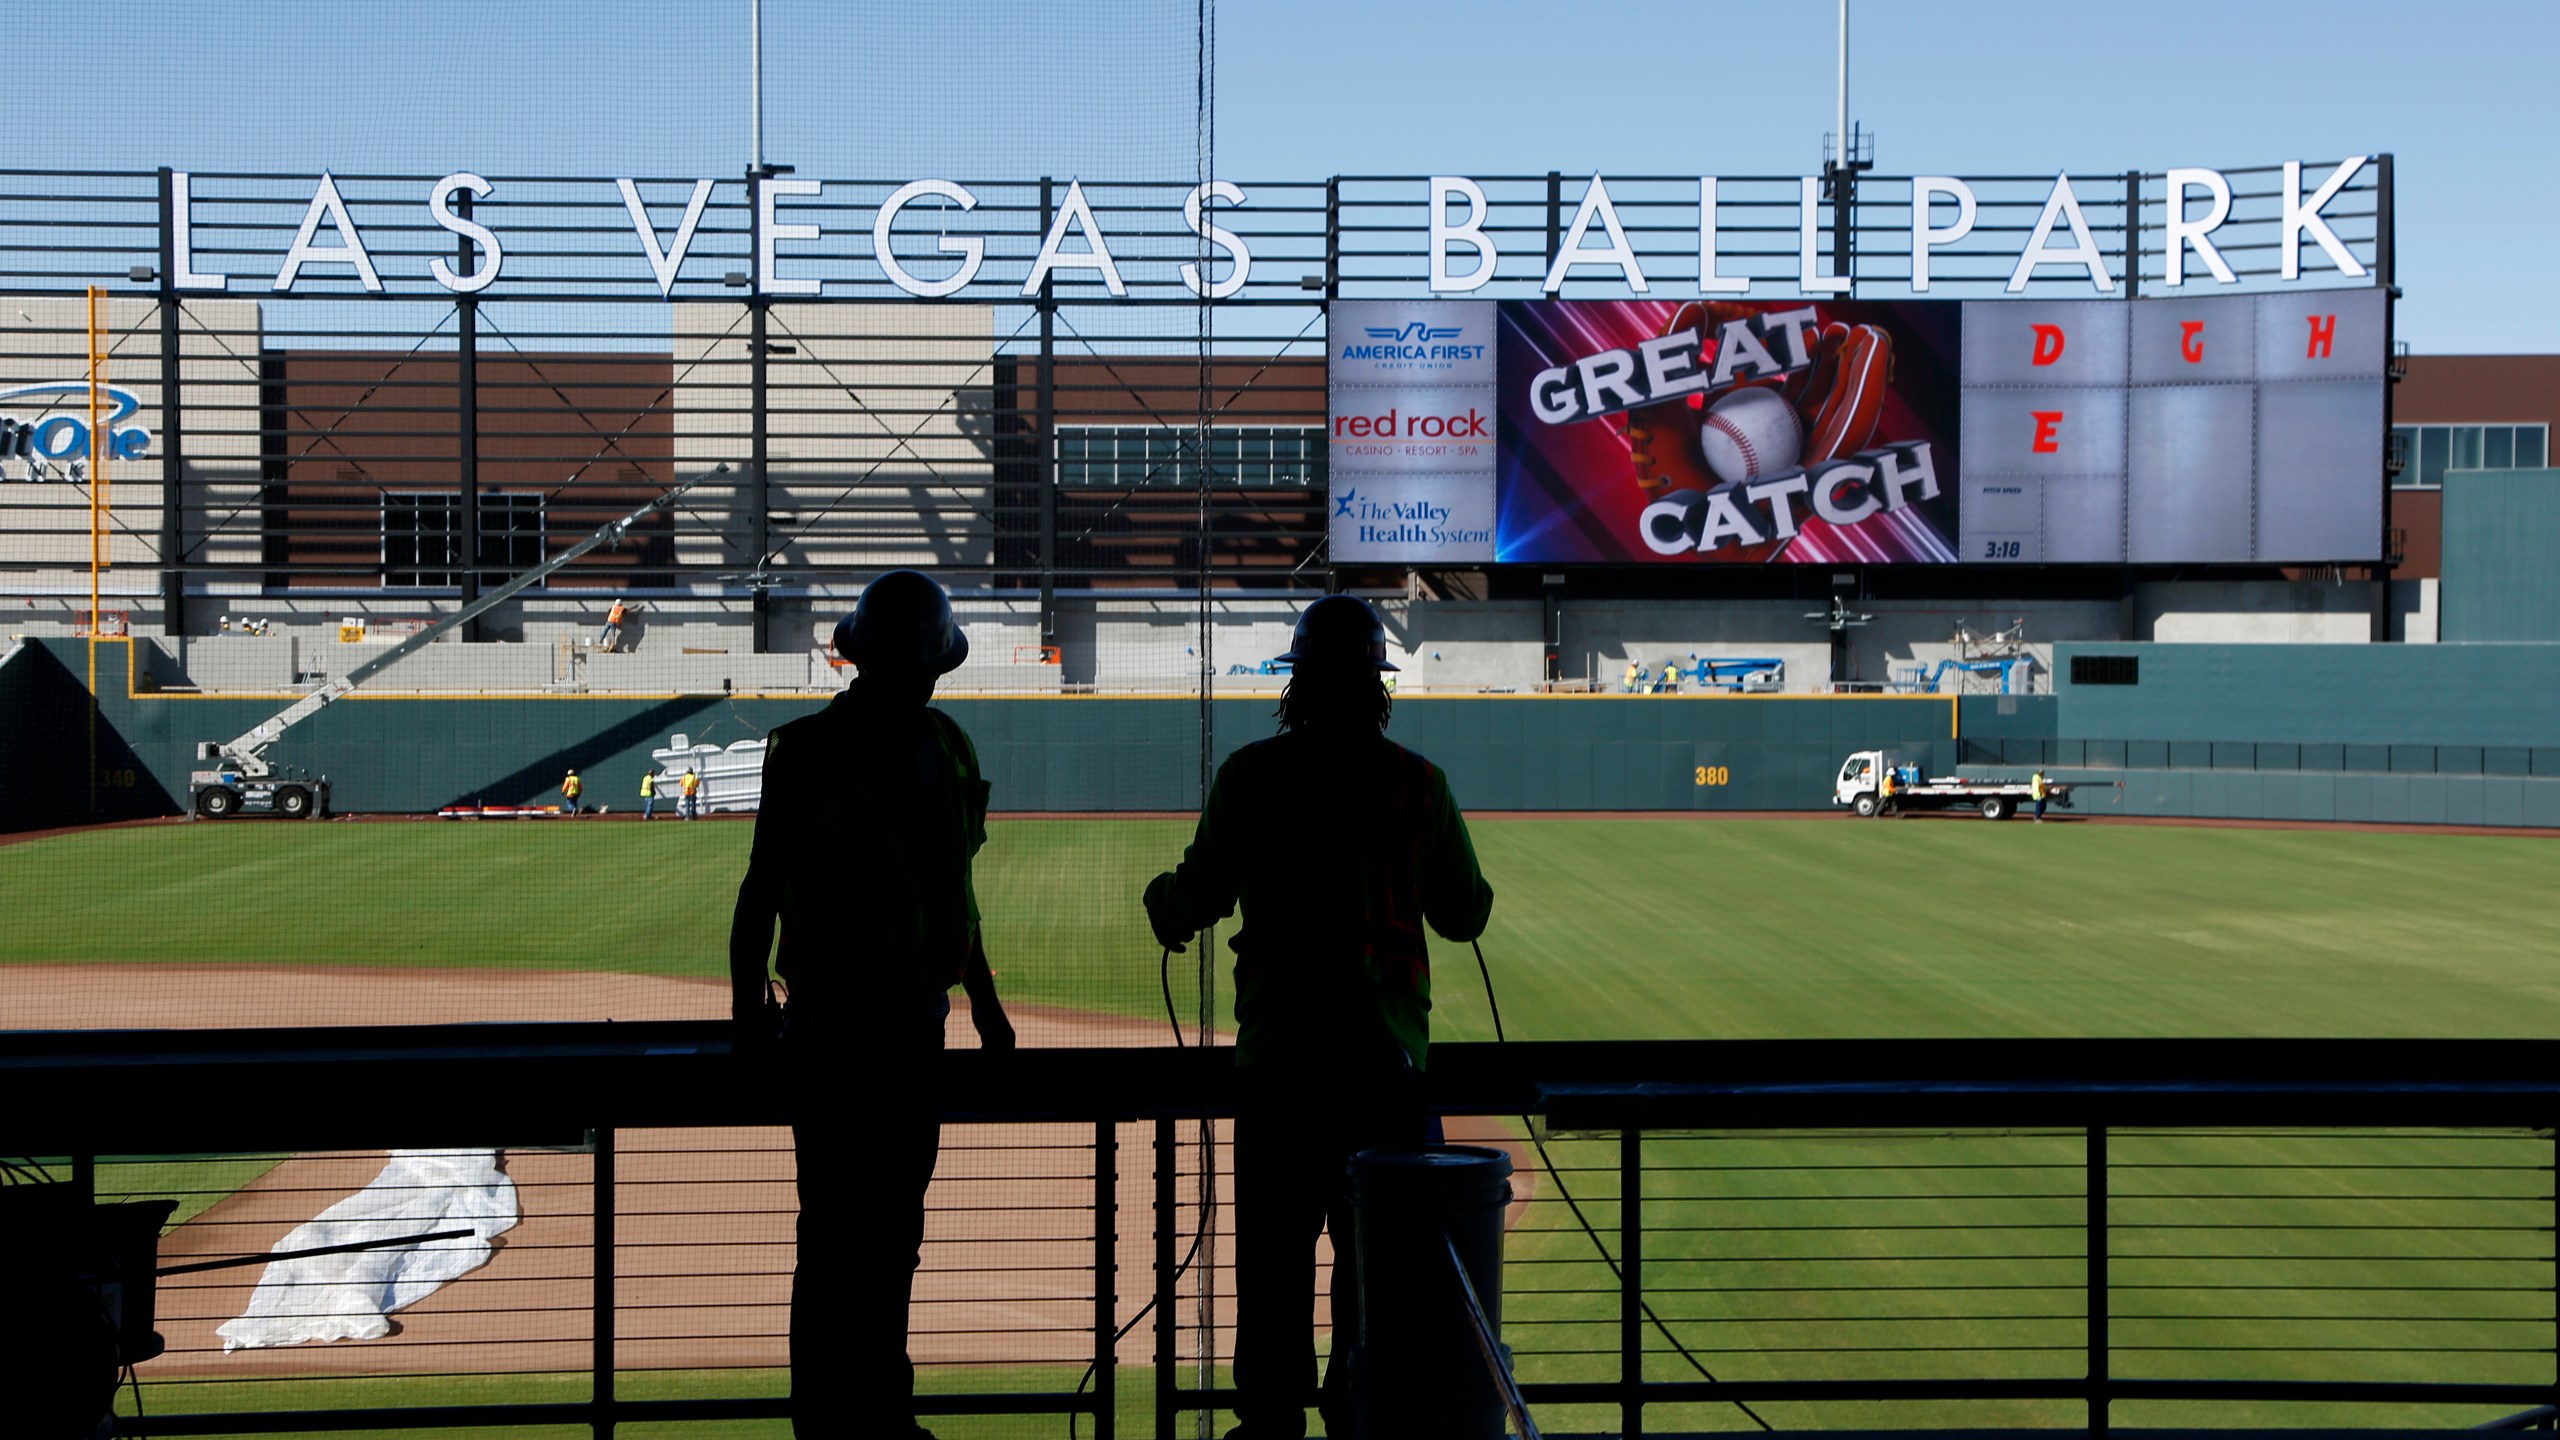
(141, 1422)
(1565, 1193)
(1173, 1018)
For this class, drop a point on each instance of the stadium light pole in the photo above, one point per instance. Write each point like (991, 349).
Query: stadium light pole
(755, 77)
(1843, 119)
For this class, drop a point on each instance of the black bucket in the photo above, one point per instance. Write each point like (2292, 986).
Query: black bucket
(1419, 1369)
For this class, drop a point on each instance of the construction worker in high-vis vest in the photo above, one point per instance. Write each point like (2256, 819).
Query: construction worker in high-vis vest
(648, 793)
(1340, 845)
(571, 787)
(873, 809)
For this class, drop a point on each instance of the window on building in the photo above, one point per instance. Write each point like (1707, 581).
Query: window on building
(1255, 456)
(2106, 669)
(421, 537)
(2431, 450)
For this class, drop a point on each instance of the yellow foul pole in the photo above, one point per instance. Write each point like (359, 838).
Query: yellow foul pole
(97, 512)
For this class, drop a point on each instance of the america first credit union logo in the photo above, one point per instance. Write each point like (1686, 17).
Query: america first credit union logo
(1413, 347)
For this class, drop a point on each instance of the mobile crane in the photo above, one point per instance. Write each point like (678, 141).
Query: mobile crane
(241, 781)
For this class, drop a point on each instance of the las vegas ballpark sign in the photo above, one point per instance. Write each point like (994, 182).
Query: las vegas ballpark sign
(790, 233)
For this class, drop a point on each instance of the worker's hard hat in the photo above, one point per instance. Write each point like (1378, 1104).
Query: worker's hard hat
(903, 622)
(1339, 629)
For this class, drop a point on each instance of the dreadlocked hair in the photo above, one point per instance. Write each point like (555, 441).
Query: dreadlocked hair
(1334, 698)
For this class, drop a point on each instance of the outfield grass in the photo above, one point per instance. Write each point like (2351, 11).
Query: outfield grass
(1135, 1409)
(1617, 929)
(2287, 1256)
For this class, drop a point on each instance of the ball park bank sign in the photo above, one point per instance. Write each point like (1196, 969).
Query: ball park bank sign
(1943, 209)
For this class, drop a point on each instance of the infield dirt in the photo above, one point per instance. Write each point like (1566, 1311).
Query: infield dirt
(704, 1218)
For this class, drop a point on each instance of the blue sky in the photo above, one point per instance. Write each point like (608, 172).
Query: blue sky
(983, 89)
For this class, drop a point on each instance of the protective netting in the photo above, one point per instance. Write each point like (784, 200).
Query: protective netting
(646, 358)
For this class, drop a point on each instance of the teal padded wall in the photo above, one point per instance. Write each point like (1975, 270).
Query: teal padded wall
(412, 754)
(2374, 695)
(45, 731)
(2446, 734)
(2501, 542)
(2007, 717)
(1646, 753)
(2348, 797)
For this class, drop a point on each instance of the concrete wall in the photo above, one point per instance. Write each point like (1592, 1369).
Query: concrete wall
(680, 643)
(2254, 612)
(1464, 646)
(2417, 611)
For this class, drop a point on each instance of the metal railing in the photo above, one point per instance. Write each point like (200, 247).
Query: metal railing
(2018, 1234)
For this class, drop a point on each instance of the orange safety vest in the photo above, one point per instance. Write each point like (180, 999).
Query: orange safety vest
(692, 782)
(614, 616)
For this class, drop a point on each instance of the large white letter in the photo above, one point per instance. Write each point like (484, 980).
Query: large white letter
(1595, 206)
(2061, 205)
(1242, 267)
(971, 250)
(1925, 190)
(325, 205)
(2183, 232)
(1443, 189)
(2299, 217)
(492, 255)
(1709, 282)
(183, 274)
(1096, 255)
(665, 263)
(1809, 276)
(769, 231)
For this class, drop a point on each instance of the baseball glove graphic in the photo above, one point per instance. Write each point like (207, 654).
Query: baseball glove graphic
(1837, 404)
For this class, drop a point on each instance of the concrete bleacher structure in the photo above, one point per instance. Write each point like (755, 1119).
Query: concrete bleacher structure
(1105, 645)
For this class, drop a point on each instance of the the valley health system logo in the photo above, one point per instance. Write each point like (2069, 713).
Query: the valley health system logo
(44, 432)
(1415, 347)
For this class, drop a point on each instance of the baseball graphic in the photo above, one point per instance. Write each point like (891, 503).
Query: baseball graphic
(1751, 434)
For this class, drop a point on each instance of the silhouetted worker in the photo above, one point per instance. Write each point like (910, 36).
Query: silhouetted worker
(1340, 844)
(872, 810)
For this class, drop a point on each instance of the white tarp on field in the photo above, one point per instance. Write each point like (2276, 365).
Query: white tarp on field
(352, 1296)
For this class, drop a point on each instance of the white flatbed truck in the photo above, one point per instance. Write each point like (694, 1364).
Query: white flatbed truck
(1860, 787)
(242, 781)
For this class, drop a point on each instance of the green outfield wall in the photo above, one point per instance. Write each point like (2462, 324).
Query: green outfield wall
(1598, 752)
(2399, 734)
(2449, 734)
(2501, 528)
(2457, 695)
